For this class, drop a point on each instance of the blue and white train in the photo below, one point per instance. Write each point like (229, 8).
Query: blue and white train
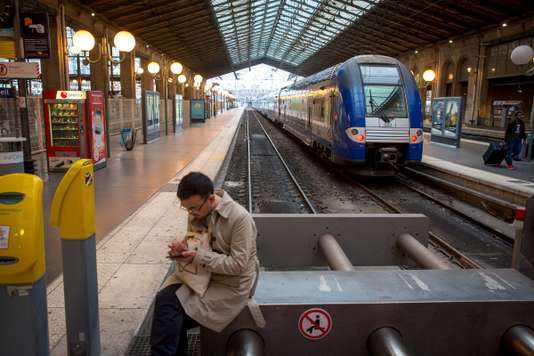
(365, 113)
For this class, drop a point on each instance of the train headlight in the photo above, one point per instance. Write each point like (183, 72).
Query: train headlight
(416, 135)
(356, 134)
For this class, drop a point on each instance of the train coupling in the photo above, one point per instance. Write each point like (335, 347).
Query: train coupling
(388, 154)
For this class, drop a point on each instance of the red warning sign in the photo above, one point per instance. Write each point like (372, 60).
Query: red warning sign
(315, 323)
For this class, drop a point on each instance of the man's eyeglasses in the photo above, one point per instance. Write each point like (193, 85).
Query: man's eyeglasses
(195, 209)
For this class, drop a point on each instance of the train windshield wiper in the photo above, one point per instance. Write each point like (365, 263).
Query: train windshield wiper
(385, 118)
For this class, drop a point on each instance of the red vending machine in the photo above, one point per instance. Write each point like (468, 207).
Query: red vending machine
(75, 128)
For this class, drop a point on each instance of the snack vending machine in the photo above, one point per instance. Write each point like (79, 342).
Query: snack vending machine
(75, 128)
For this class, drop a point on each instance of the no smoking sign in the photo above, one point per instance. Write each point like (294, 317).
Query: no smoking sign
(315, 323)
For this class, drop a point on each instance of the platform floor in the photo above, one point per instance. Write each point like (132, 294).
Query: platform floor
(470, 154)
(133, 232)
(130, 179)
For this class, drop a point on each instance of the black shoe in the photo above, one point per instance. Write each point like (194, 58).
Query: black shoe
(517, 159)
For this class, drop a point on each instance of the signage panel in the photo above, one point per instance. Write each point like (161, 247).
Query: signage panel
(22, 70)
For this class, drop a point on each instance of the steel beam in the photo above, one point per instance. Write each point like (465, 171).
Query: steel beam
(245, 342)
(419, 253)
(336, 258)
(519, 341)
(386, 342)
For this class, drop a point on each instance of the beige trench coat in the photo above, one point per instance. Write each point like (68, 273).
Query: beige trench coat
(232, 262)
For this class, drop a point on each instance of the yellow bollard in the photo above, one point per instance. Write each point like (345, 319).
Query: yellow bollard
(22, 266)
(73, 212)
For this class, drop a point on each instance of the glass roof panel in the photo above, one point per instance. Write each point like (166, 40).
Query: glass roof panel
(287, 31)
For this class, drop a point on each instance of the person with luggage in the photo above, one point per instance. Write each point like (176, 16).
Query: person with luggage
(514, 138)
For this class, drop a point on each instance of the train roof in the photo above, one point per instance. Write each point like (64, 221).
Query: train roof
(329, 73)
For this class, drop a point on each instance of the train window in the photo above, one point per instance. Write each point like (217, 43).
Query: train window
(380, 74)
(383, 91)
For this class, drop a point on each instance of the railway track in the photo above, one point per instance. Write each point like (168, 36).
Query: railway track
(437, 242)
(464, 241)
(264, 179)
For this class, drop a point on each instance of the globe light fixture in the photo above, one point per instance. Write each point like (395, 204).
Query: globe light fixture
(429, 75)
(176, 68)
(84, 40)
(124, 41)
(153, 68)
(140, 70)
(182, 79)
(75, 50)
(522, 55)
(197, 78)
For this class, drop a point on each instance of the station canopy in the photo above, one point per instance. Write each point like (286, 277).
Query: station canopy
(214, 37)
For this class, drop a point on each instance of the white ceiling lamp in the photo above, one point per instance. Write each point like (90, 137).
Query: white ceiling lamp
(124, 41)
(429, 75)
(153, 68)
(83, 40)
(176, 68)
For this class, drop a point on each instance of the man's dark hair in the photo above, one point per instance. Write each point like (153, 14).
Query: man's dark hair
(194, 183)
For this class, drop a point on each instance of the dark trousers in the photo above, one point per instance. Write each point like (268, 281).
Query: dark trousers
(513, 149)
(170, 324)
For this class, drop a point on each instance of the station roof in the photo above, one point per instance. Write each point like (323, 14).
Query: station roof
(214, 37)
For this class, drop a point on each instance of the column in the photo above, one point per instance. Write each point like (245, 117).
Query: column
(479, 87)
(99, 70)
(128, 75)
(55, 69)
(147, 82)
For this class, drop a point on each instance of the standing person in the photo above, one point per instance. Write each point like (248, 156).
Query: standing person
(232, 261)
(514, 137)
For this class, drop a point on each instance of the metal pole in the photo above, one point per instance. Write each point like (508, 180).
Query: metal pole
(419, 253)
(531, 135)
(519, 341)
(245, 343)
(29, 163)
(386, 342)
(336, 258)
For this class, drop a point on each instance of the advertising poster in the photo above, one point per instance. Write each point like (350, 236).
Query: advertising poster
(35, 35)
(446, 120)
(99, 150)
(197, 110)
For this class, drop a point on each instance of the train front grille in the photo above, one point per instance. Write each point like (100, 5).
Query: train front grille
(381, 134)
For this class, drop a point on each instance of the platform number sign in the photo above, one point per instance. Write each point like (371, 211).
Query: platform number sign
(315, 323)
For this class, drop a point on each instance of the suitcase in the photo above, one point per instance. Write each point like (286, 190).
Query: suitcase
(495, 153)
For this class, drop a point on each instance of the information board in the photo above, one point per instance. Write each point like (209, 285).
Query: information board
(447, 117)
(151, 119)
(197, 110)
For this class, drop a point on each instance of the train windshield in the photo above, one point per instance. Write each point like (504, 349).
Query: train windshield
(384, 93)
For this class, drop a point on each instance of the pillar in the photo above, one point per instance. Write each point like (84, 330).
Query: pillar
(480, 86)
(147, 82)
(55, 69)
(99, 70)
(128, 75)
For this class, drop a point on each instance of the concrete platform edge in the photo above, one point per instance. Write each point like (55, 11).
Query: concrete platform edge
(477, 176)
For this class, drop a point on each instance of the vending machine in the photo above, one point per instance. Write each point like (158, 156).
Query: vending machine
(75, 128)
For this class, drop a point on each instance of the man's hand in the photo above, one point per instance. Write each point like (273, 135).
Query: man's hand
(176, 248)
(179, 249)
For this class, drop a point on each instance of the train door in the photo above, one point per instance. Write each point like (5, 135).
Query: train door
(332, 115)
(309, 136)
